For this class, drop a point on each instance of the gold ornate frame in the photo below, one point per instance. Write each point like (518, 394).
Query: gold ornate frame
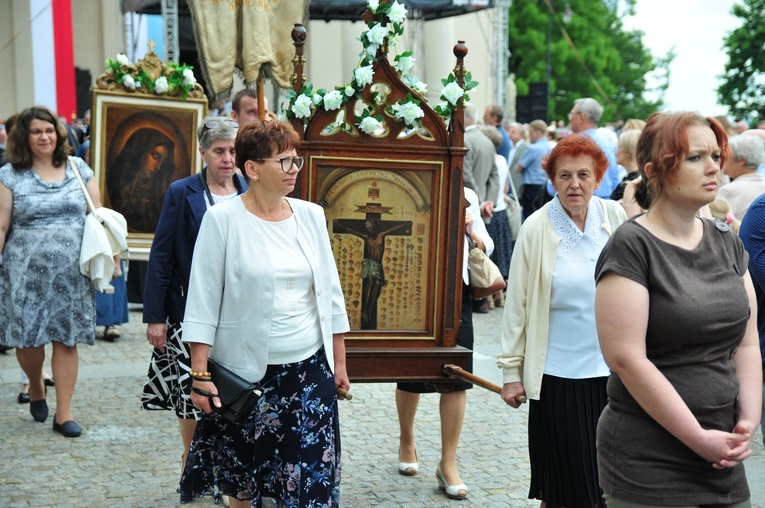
(118, 122)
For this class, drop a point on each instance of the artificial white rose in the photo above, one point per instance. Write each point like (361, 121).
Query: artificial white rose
(333, 100)
(404, 63)
(128, 82)
(122, 59)
(160, 86)
(408, 112)
(349, 90)
(372, 50)
(377, 34)
(369, 125)
(302, 106)
(452, 92)
(373, 5)
(397, 13)
(419, 87)
(317, 99)
(363, 75)
(188, 77)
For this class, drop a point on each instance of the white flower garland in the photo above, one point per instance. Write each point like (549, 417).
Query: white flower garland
(304, 104)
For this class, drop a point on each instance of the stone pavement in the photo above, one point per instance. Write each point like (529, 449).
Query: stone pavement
(129, 458)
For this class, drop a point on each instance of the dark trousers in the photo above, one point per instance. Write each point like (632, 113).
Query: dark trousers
(528, 194)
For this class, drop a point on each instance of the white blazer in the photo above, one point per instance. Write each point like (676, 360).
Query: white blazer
(231, 290)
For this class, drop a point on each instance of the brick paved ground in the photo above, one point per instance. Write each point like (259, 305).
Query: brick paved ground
(129, 458)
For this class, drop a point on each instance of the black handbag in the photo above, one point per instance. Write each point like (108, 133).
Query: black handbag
(237, 395)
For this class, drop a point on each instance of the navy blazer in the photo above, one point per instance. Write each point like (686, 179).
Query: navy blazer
(167, 276)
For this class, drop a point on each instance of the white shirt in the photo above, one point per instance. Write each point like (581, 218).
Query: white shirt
(573, 351)
(479, 227)
(742, 191)
(502, 173)
(295, 334)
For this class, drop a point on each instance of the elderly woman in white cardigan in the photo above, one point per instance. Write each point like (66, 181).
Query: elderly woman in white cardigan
(265, 302)
(550, 352)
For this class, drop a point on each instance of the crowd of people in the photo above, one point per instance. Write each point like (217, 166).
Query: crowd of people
(630, 322)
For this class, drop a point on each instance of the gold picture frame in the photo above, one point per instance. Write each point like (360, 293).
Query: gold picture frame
(140, 144)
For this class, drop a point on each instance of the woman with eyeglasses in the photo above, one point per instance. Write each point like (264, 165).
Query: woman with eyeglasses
(168, 384)
(265, 302)
(43, 296)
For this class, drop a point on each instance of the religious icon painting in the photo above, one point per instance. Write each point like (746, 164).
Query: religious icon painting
(140, 145)
(386, 209)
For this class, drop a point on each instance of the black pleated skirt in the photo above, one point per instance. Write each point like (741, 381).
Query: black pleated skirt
(562, 428)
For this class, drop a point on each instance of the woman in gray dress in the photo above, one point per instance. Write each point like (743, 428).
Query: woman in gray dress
(43, 296)
(677, 321)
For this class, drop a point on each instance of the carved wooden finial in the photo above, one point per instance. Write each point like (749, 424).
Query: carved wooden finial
(298, 33)
(151, 45)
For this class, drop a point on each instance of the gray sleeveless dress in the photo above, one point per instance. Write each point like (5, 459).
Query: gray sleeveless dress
(43, 296)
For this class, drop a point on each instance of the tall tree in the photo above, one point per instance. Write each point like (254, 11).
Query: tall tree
(610, 64)
(743, 88)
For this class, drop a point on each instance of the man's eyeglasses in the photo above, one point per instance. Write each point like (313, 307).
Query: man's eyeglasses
(211, 124)
(287, 162)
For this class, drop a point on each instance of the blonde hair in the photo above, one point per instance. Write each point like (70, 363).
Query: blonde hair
(628, 141)
(722, 211)
(633, 124)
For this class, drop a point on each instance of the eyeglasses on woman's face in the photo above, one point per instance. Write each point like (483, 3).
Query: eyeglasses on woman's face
(51, 132)
(287, 162)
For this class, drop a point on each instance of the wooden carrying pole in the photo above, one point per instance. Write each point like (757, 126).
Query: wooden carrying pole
(454, 371)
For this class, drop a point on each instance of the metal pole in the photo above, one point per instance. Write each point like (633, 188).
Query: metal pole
(549, 62)
(170, 19)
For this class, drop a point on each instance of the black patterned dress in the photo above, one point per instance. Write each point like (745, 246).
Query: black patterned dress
(43, 295)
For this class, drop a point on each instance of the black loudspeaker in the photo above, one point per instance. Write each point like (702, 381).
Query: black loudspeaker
(538, 90)
(538, 94)
(523, 109)
(82, 79)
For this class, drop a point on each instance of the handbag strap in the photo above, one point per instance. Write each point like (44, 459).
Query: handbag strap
(512, 187)
(89, 201)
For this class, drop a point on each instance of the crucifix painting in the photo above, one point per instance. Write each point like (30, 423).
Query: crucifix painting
(373, 230)
(381, 228)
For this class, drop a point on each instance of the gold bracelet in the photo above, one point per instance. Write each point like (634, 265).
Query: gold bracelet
(199, 374)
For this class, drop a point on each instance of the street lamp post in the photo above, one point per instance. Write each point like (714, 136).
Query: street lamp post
(566, 17)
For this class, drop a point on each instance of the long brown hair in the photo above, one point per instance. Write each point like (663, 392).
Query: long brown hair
(19, 153)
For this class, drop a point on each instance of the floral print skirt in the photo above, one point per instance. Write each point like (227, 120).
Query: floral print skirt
(287, 452)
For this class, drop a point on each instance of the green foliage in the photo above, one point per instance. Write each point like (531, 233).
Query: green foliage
(743, 87)
(616, 57)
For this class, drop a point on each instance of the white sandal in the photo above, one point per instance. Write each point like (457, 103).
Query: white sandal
(409, 468)
(458, 492)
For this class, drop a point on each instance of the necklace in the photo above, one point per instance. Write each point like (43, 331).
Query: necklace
(251, 207)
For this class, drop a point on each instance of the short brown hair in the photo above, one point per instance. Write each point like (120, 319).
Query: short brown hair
(238, 98)
(261, 140)
(496, 110)
(18, 152)
(539, 126)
